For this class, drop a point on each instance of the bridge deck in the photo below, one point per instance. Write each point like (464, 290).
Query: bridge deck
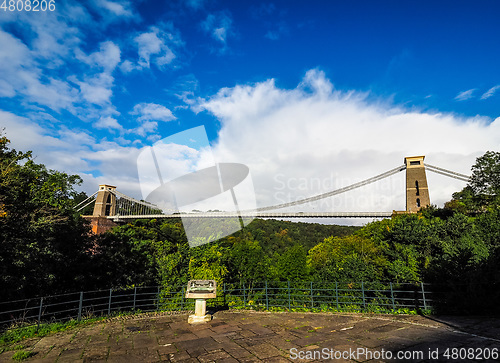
(262, 215)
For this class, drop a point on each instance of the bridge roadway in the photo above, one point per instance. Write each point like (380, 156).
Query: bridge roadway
(260, 215)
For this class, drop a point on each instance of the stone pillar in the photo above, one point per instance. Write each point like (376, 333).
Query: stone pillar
(105, 203)
(417, 190)
(100, 225)
(200, 312)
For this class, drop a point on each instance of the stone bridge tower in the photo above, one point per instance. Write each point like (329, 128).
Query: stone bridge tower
(417, 190)
(105, 205)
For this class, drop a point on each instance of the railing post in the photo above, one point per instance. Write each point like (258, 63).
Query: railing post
(337, 293)
(423, 295)
(80, 305)
(109, 302)
(135, 295)
(224, 293)
(158, 299)
(40, 311)
(289, 298)
(415, 297)
(244, 295)
(392, 298)
(267, 298)
(312, 298)
(184, 297)
(363, 292)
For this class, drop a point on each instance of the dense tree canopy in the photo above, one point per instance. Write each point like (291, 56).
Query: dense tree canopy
(46, 248)
(483, 188)
(43, 245)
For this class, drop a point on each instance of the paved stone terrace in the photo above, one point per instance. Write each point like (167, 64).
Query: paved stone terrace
(248, 336)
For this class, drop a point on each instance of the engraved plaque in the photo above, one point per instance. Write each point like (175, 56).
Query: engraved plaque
(201, 289)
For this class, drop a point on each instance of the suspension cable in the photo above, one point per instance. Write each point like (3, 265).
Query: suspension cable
(121, 195)
(92, 201)
(447, 173)
(337, 191)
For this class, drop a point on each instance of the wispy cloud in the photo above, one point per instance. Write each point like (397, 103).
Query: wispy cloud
(490, 92)
(117, 8)
(195, 4)
(465, 95)
(152, 112)
(185, 88)
(220, 27)
(43, 61)
(107, 57)
(272, 18)
(152, 44)
(278, 31)
(108, 123)
(158, 45)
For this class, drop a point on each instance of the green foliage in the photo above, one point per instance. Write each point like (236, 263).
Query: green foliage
(483, 189)
(43, 245)
(22, 355)
(248, 261)
(485, 179)
(18, 334)
(292, 264)
(126, 256)
(351, 258)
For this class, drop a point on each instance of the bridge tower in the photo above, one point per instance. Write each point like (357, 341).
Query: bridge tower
(417, 190)
(105, 205)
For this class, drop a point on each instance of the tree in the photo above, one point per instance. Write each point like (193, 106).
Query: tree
(249, 262)
(292, 264)
(350, 258)
(485, 179)
(483, 189)
(44, 246)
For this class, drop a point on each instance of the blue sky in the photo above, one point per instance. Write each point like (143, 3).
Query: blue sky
(275, 84)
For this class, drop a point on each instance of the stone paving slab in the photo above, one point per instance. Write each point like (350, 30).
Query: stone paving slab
(248, 336)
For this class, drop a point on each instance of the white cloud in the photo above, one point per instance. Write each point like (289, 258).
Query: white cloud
(106, 58)
(108, 123)
(97, 89)
(6, 89)
(52, 37)
(117, 8)
(145, 128)
(490, 92)
(75, 152)
(127, 66)
(220, 26)
(154, 46)
(13, 52)
(152, 112)
(20, 70)
(55, 93)
(58, 149)
(465, 95)
(311, 139)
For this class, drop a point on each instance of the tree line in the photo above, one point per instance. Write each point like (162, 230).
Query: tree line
(45, 247)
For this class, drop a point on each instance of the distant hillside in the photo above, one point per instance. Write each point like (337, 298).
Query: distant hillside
(306, 234)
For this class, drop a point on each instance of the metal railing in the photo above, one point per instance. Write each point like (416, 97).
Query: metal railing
(333, 296)
(269, 295)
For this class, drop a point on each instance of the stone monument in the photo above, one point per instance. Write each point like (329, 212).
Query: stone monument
(201, 290)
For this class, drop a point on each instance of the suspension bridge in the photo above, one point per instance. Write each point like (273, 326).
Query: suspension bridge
(111, 206)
